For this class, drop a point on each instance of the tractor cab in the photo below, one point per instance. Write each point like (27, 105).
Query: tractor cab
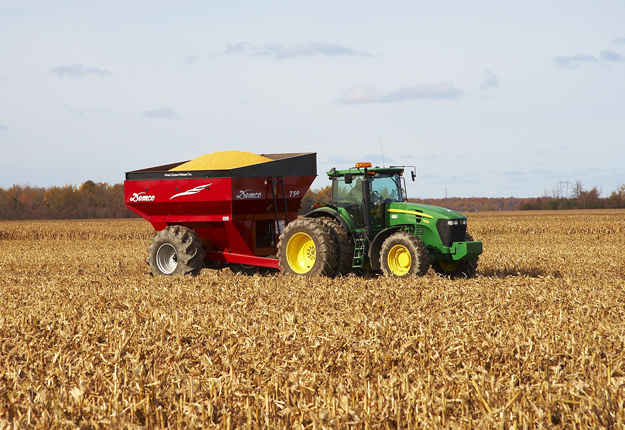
(364, 191)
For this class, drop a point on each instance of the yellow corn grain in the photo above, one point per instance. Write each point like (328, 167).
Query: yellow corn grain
(222, 160)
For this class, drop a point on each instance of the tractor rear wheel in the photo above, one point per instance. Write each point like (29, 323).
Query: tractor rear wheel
(403, 255)
(459, 268)
(344, 246)
(175, 250)
(306, 248)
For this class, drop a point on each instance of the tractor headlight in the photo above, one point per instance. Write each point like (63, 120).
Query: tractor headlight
(456, 222)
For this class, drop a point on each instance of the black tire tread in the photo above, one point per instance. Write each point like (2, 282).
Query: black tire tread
(326, 257)
(466, 269)
(188, 247)
(414, 244)
(344, 246)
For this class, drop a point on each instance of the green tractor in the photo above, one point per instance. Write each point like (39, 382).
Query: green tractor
(370, 225)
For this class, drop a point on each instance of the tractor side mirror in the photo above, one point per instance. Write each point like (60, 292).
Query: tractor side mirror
(414, 175)
(348, 178)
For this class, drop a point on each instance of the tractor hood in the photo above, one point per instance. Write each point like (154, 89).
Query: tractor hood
(435, 212)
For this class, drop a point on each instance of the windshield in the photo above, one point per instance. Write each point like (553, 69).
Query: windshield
(387, 187)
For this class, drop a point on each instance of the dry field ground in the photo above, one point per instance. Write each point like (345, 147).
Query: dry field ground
(89, 340)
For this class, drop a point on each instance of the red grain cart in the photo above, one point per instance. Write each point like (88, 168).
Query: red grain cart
(230, 216)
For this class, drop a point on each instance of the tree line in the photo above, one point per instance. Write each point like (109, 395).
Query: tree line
(89, 200)
(101, 200)
(579, 198)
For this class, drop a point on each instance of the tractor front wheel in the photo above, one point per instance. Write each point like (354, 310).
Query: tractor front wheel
(403, 255)
(175, 250)
(457, 269)
(306, 248)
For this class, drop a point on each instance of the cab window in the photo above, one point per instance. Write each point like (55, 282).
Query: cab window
(386, 189)
(347, 193)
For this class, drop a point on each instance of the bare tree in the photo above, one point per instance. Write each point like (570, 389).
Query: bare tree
(578, 188)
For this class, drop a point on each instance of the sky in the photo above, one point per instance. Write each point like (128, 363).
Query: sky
(485, 98)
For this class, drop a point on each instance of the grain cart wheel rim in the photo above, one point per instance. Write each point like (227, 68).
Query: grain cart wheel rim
(301, 253)
(399, 260)
(449, 266)
(175, 250)
(166, 258)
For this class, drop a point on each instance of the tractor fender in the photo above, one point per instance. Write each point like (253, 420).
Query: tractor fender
(330, 213)
(376, 245)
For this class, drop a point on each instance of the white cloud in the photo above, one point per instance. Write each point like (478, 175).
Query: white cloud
(618, 41)
(431, 155)
(3, 128)
(609, 55)
(378, 159)
(452, 180)
(313, 48)
(490, 80)
(570, 62)
(574, 61)
(339, 160)
(294, 50)
(163, 112)
(237, 48)
(90, 113)
(436, 91)
(78, 71)
(189, 59)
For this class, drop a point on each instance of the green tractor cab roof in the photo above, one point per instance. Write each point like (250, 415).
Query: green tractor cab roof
(360, 170)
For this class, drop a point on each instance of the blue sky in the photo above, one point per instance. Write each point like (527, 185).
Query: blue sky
(486, 98)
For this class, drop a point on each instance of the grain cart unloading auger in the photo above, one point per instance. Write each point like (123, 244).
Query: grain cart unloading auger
(246, 218)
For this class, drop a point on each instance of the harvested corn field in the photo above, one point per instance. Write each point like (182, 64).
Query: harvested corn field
(537, 339)
(222, 160)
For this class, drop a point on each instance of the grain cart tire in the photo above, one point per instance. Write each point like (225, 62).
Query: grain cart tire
(306, 248)
(457, 269)
(248, 270)
(344, 246)
(403, 255)
(175, 250)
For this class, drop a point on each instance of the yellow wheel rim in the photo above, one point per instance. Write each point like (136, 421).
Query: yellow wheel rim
(301, 253)
(448, 266)
(399, 260)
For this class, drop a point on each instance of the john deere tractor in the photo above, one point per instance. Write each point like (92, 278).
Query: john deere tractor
(370, 225)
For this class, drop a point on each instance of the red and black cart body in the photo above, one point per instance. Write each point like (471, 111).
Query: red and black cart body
(238, 213)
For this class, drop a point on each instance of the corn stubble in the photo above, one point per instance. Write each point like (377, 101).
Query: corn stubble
(89, 340)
